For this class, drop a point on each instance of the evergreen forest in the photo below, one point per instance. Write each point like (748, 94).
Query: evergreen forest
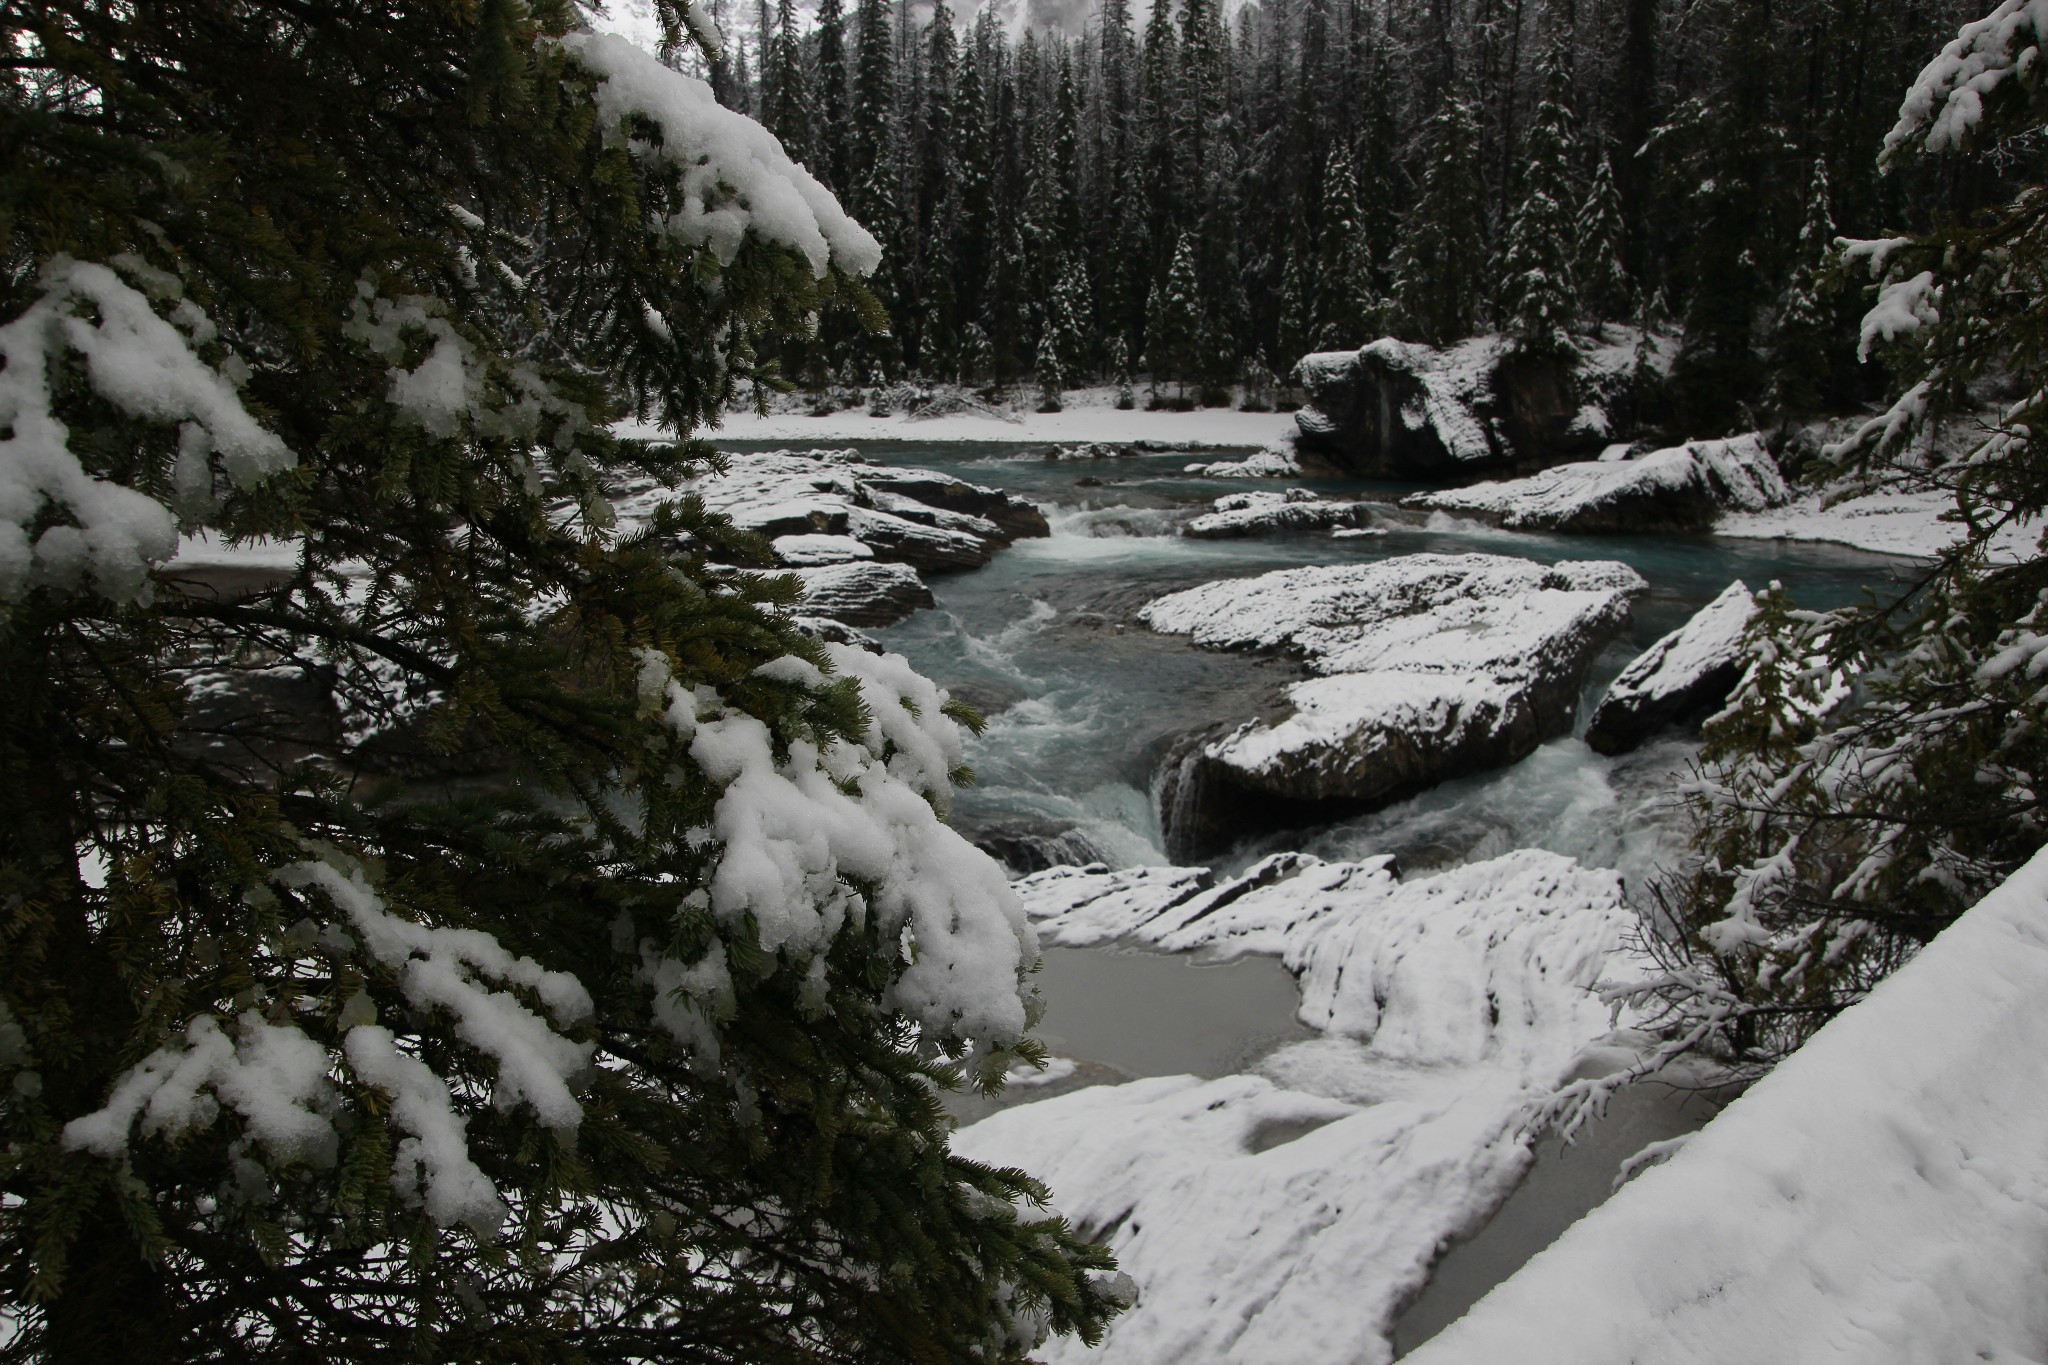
(1207, 196)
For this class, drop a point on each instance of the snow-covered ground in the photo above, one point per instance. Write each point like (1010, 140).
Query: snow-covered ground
(1889, 521)
(1090, 415)
(1881, 1197)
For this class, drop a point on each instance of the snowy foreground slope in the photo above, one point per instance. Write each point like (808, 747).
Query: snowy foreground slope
(1288, 1215)
(1881, 1197)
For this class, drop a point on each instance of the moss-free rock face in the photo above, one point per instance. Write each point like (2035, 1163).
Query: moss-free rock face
(1398, 409)
(1679, 679)
(1683, 488)
(1426, 667)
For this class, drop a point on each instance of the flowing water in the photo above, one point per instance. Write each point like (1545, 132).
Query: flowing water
(1083, 701)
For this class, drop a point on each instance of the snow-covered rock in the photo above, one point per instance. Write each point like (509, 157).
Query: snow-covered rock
(1401, 409)
(857, 531)
(1880, 1198)
(1688, 672)
(862, 593)
(1683, 488)
(1427, 667)
(1298, 509)
(1276, 461)
(1288, 1215)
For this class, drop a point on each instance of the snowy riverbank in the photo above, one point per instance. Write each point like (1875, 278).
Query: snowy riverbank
(1878, 1198)
(1089, 415)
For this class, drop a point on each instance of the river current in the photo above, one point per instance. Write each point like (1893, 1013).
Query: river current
(1082, 700)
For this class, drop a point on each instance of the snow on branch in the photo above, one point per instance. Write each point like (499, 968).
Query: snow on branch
(145, 367)
(274, 1076)
(736, 176)
(439, 969)
(1945, 104)
(806, 839)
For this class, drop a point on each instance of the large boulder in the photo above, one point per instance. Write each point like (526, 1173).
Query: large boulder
(1683, 488)
(862, 593)
(1261, 513)
(1682, 677)
(911, 516)
(1399, 409)
(1425, 668)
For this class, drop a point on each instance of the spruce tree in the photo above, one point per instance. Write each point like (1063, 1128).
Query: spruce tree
(476, 986)
(1597, 270)
(1541, 299)
(1803, 334)
(1173, 324)
(835, 124)
(1344, 293)
(1440, 271)
(1880, 767)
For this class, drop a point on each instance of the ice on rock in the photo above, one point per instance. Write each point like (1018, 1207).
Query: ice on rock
(1683, 488)
(1877, 1199)
(1290, 1214)
(1430, 667)
(1689, 671)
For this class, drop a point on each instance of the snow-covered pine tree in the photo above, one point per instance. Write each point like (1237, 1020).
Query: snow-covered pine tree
(1803, 332)
(1173, 324)
(786, 87)
(1297, 330)
(1051, 376)
(423, 945)
(834, 112)
(977, 356)
(1344, 293)
(1540, 299)
(1597, 270)
(1120, 371)
(1881, 767)
(1440, 269)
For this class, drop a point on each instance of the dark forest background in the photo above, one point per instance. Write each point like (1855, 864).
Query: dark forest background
(1207, 201)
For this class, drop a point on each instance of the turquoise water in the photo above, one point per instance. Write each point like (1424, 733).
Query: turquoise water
(1083, 701)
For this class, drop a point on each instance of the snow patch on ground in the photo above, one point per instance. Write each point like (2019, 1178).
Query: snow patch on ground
(1089, 415)
(1881, 1197)
(1892, 521)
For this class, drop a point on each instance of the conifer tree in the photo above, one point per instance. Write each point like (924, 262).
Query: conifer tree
(1173, 326)
(1441, 267)
(1541, 298)
(1880, 767)
(1803, 334)
(1344, 299)
(835, 125)
(786, 94)
(463, 996)
(1597, 270)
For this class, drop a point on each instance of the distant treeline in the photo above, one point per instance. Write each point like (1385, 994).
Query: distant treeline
(1208, 201)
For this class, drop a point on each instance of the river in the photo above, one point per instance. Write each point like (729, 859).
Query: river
(1082, 701)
